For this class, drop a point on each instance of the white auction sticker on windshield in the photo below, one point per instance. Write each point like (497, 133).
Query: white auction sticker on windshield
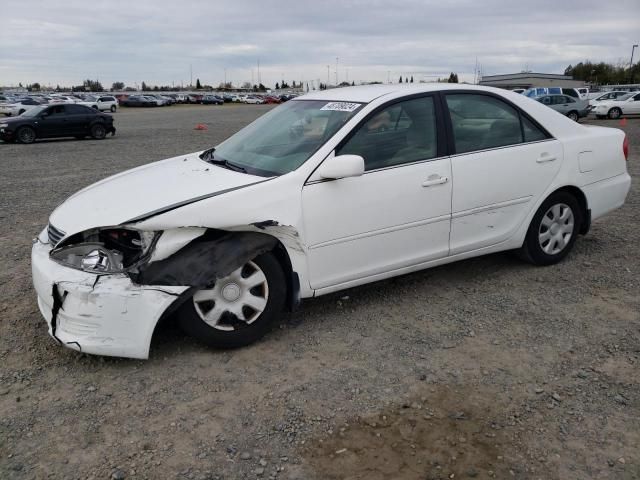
(341, 106)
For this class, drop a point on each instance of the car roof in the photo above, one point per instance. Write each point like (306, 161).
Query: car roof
(368, 93)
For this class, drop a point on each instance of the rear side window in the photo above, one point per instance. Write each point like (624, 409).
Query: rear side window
(571, 92)
(480, 122)
(531, 132)
(402, 133)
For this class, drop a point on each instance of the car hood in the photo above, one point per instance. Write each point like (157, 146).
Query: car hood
(146, 191)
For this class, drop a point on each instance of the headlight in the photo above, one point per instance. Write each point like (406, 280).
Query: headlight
(105, 250)
(4, 125)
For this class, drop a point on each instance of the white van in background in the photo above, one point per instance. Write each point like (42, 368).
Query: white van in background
(579, 92)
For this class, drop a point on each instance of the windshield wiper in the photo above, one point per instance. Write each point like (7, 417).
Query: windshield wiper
(208, 156)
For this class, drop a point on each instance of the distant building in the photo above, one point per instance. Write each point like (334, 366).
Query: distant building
(528, 80)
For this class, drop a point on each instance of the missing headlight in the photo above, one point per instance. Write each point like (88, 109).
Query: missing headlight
(104, 250)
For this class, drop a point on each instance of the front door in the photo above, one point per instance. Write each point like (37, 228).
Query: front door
(397, 214)
(54, 122)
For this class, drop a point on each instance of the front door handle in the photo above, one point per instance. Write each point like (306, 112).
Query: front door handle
(545, 157)
(435, 180)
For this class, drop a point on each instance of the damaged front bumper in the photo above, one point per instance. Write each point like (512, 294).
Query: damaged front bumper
(98, 314)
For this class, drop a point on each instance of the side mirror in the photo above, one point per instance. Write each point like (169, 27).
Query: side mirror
(342, 166)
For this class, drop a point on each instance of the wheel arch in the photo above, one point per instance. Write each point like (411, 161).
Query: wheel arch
(227, 249)
(585, 213)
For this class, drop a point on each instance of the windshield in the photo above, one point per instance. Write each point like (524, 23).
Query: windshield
(33, 112)
(283, 139)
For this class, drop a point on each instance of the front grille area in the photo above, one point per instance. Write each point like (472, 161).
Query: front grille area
(54, 234)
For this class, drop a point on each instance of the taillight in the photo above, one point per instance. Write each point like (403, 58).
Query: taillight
(625, 147)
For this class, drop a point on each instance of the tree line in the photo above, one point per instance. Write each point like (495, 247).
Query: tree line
(604, 73)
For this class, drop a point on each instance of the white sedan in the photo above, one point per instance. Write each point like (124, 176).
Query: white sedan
(325, 192)
(628, 104)
(18, 107)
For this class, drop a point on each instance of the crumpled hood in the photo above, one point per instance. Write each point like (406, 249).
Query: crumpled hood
(144, 190)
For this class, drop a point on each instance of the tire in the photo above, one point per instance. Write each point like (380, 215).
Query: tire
(553, 230)
(26, 135)
(614, 113)
(113, 109)
(98, 131)
(224, 329)
(573, 115)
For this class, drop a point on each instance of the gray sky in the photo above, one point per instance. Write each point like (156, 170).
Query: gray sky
(133, 41)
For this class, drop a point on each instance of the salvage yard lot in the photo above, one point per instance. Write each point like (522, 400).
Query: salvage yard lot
(486, 368)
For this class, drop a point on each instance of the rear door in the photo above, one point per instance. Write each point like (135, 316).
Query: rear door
(78, 119)
(632, 106)
(503, 163)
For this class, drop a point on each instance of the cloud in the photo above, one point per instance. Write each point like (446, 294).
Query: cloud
(161, 42)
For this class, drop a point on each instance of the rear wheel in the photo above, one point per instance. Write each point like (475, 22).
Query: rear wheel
(98, 131)
(573, 116)
(238, 309)
(553, 230)
(113, 108)
(26, 135)
(614, 113)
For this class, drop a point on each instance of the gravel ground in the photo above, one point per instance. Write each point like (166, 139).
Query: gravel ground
(487, 368)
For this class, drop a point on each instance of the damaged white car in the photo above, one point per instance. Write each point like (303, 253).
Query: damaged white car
(328, 191)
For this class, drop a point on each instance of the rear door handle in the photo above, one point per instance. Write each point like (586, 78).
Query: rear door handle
(545, 157)
(435, 181)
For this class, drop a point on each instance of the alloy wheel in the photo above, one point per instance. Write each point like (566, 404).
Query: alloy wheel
(27, 135)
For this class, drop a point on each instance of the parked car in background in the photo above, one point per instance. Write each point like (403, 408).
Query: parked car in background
(212, 100)
(102, 103)
(332, 190)
(18, 107)
(253, 99)
(139, 101)
(194, 98)
(539, 91)
(158, 99)
(628, 104)
(573, 108)
(613, 95)
(271, 99)
(62, 120)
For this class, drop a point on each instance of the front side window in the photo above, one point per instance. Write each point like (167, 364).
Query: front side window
(480, 122)
(285, 138)
(401, 133)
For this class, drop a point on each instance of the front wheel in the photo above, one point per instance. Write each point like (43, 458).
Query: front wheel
(614, 113)
(553, 230)
(26, 135)
(98, 131)
(238, 309)
(573, 116)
